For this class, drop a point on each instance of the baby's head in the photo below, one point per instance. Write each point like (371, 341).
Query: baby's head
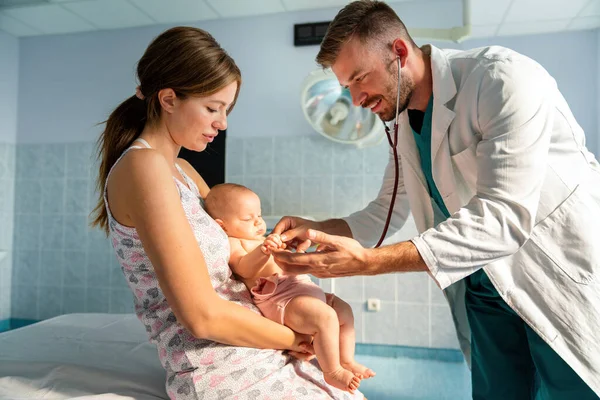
(237, 209)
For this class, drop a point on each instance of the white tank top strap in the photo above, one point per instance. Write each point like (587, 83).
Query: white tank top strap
(190, 183)
(146, 146)
(144, 142)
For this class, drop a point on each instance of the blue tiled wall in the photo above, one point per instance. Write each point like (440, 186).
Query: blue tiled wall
(63, 266)
(315, 177)
(60, 264)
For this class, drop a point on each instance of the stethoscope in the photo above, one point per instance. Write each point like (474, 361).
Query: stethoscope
(393, 144)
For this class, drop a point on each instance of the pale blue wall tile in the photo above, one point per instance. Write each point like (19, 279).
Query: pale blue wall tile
(6, 267)
(97, 240)
(325, 284)
(54, 161)
(350, 288)
(239, 179)
(76, 197)
(347, 195)
(287, 196)
(413, 325)
(263, 187)
(24, 302)
(5, 301)
(234, 156)
(28, 196)
(7, 194)
(74, 300)
(29, 160)
(443, 333)
(76, 232)
(51, 267)
(6, 232)
(436, 295)
(288, 156)
(27, 268)
(52, 232)
(121, 301)
(74, 273)
(50, 301)
(381, 327)
(381, 287)
(376, 158)
(3, 160)
(358, 310)
(98, 300)
(413, 287)
(28, 231)
(347, 160)
(10, 160)
(317, 156)
(317, 193)
(98, 270)
(93, 194)
(53, 196)
(79, 159)
(258, 156)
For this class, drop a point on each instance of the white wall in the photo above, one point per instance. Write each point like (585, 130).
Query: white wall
(69, 83)
(572, 59)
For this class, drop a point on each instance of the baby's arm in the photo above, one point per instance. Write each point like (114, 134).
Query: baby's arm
(247, 265)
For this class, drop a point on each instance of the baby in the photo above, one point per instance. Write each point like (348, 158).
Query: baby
(292, 300)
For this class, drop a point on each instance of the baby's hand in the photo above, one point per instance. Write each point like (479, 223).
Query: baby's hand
(272, 242)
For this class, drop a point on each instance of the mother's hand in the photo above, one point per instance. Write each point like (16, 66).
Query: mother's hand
(302, 348)
(336, 256)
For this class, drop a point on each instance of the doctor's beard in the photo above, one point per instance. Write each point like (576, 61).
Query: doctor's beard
(388, 113)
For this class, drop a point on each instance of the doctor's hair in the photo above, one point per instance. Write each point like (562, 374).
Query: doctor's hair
(185, 59)
(369, 21)
(219, 198)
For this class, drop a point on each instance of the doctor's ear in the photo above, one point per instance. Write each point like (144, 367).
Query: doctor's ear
(400, 50)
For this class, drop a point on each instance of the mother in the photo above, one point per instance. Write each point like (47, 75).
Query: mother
(173, 255)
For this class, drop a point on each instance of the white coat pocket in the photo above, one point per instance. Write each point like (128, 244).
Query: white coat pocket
(566, 236)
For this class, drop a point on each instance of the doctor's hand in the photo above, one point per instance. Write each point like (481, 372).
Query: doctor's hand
(336, 256)
(293, 231)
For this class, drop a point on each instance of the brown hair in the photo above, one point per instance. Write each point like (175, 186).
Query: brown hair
(217, 200)
(363, 19)
(185, 59)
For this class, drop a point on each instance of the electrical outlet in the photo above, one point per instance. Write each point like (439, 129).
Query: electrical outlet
(373, 304)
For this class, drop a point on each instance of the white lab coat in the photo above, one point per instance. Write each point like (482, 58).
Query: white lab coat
(523, 192)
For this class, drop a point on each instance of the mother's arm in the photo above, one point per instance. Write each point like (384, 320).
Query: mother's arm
(146, 192)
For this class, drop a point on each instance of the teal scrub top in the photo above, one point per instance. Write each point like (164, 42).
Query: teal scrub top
(423, 140)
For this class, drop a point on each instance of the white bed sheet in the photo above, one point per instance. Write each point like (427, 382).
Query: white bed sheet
(81, 356)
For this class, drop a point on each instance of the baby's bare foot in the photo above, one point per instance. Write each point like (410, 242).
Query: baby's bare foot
(359, 369)
(343, 379)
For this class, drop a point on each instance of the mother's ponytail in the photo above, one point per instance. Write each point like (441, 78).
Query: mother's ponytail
(123, 126)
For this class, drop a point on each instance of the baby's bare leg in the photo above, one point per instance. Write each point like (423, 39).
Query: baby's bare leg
(348, 337)
(309, 315)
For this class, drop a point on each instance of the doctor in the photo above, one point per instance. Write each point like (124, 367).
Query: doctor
(504, 193)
